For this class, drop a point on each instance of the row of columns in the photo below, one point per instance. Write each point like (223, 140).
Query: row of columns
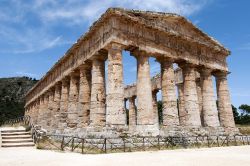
(196, 100)
(81, 100)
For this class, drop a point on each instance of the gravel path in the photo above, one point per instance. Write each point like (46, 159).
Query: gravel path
(225, 156)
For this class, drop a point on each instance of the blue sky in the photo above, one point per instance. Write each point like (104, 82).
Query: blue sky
(34, 34)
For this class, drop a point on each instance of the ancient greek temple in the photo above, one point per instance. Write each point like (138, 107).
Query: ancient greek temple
(77, 97)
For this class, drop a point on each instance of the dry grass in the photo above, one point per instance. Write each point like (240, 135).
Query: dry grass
(244, 129)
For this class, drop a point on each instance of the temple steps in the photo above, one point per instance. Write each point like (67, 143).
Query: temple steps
(16, 138)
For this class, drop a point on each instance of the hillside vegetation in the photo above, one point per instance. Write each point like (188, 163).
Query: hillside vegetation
(12, 92)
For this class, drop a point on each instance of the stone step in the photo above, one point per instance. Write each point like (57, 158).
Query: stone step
(25, 144)
(15, 133)
(16, 140)
(17, 137)
(14, 130)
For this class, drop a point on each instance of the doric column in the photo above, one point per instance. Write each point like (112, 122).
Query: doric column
(84, 95)
(145, 113)
(64, 104)
(36, 111)
(50, 108)
(56, 107)
(190, 96)
(72, 114)
(181, 105)
(199, 94)
(98, 94)
(210, 113)
(45, 110)
(132, 112)
(224, 101)
(115, 113)
(169, 99)
(155, 106)
(41, 111)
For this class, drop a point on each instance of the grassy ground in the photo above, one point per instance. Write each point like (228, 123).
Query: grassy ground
(244, 129)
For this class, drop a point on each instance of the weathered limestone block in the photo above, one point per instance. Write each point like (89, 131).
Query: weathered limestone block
(224, 101)
(181, 105)
(41, 111)
(45, 111)
(155, 106)
(169, 99)
(190, 97)
(56, 106)
(199, 94)
(36, 111)
(98, 94)
(72, 114)
(210, 113)
(115, 113)
(132, 113)
(84, 95)
(64, 104)
(145, 113)
(50, 108)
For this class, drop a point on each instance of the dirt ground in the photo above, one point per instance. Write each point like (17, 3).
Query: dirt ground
(223, 156)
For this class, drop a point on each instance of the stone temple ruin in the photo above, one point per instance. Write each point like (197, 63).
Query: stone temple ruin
(74, 98)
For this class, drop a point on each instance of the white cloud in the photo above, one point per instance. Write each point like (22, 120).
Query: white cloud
(76, 12)
(29, 40)
(18, 30)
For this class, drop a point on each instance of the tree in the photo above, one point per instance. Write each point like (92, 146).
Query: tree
(236, 115)
(159, 106)
(245, 109)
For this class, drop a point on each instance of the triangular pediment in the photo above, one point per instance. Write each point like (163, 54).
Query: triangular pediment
(170, 23)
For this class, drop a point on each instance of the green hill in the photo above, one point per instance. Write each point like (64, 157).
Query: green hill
(12, 92)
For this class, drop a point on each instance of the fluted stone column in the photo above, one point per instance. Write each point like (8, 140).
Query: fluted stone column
(199, 94)
(169, 99)
(56, 107)
(98, 94)
(36, 112)
(64, 104)
(72, 114)
(115, 113)
(181, 105)
(41, 111)
(155, 106)
(145, 112)
(190, 96)
(210, 113)
(132, 112)
(224, 101)
(50, 110)
(84, 95)
(45, 110)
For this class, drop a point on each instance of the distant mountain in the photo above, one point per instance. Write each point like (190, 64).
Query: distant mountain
(12, 92)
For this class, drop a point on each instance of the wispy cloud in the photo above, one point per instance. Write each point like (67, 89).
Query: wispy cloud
(76, 11)
(31, 25)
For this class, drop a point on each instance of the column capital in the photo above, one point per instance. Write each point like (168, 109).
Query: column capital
(138, 53)
(65, 81)
(221, 74)
(99, 56)
(115, 46)
(164, 60)
(86, 66)
(184, 65)
(205, 71)
(58, 85)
